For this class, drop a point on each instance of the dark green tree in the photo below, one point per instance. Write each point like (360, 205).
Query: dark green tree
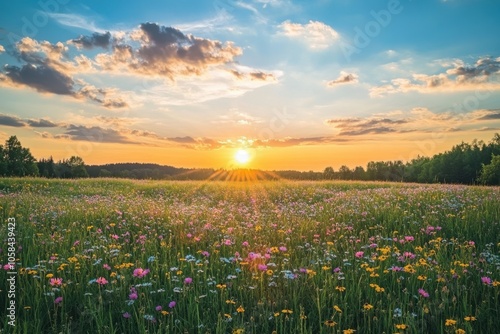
(19, 161)
(490, 174)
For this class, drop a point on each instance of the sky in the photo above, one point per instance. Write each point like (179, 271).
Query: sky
(298, 85)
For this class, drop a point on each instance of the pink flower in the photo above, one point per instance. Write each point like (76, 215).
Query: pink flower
(133, 295)
(58, 300)
(227, 242)
(359, 254)
(172, 304)
(245, 244)
(282, 248)
(139, 272)
(101, 281)
(8, 267)
(262, 267)
(486, 280)
(126, 315)
(188, 280)
(56, 281)
(76, 243)
(106, 266)
(116, 237)
(423, 293)
(158, 308)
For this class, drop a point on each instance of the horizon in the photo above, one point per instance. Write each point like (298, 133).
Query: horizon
(263, 84)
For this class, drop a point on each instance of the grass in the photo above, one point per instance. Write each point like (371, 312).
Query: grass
(251, 257)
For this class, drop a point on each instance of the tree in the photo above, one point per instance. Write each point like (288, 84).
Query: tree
(328, 173)
(17, 159)
(490, 174)
(77, 167)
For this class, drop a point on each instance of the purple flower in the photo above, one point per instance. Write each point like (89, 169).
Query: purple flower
(423, 293)
(359, 254)
(172, 304)
(188, 280)
(58, 300)
(486, 280)
(158, 308)
(126, 315)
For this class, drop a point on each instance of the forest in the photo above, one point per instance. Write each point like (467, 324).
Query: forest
(466, 163)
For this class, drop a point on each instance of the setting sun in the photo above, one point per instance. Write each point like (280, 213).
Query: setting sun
(242, 157)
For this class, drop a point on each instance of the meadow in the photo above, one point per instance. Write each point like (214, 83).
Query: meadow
(122, 256)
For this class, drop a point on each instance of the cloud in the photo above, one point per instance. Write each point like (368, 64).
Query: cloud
(93, 134)
(344, 78)
(13, 121)
(46, 71)
(95, 40)
(417, 120)
(41, 123)
(42, 78)
(315, 34)
(75, 21)
(483, 75)
(360, 126)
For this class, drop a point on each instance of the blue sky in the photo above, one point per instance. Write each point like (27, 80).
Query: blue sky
(299, 84)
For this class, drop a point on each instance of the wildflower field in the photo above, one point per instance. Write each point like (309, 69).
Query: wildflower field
(121, 256)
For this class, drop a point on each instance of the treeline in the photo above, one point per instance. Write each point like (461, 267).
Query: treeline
(475, 163)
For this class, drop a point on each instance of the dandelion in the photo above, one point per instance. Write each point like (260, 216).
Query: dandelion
(367, 306)
(56, 281)
(330, 323)
(450, 322)
(101, 281)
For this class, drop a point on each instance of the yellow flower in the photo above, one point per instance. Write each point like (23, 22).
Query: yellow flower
(422, 277)
(240, 309)
(287, 311)
(330, 323)
(470, 318)
(401, 326)
(90, 227)
(269, 272)
(239, 331)
(164, 312)
(460, 331)
(340, 288)
(220, 286)
(230, 301)
(450, 322)
(367, 306)
(336, 308)
(348, 331)
(49, 275)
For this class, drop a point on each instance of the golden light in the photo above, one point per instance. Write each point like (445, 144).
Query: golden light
(242, 156)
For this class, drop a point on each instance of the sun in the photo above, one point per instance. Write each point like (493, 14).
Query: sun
(242, 156)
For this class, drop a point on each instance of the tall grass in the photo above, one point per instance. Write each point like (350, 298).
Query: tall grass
(252, 257)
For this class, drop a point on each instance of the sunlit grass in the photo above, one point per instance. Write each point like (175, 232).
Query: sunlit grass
(118, 256)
